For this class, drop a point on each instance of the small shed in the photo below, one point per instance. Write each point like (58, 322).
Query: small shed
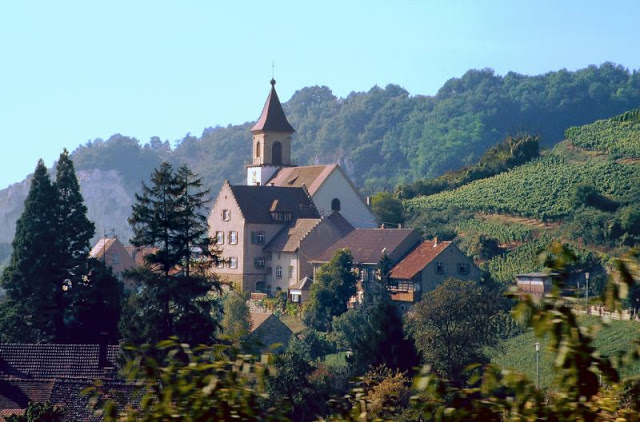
(268, 331)
(534, 284)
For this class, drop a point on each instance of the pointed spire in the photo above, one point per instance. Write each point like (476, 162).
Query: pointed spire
(272, 117)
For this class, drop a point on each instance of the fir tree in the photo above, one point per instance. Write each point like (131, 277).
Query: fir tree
(73, 234)
(49, 281)
(169, 218)
(74, 230)
(30, 278)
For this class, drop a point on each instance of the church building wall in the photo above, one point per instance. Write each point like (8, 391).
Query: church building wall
(352, 207)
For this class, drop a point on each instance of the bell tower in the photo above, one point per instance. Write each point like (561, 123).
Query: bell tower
(271, 141)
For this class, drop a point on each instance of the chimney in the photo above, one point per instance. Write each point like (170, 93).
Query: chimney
(368, 200)
(435, 241)
(382, 226)
(399, 225)
(103, 362)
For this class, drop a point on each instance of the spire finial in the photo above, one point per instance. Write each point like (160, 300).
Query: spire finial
(273, 66)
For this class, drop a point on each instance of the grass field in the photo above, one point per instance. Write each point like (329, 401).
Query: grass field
(518, 353)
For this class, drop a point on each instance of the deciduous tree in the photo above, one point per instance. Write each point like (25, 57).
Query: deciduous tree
(453, 324)
(334, 285)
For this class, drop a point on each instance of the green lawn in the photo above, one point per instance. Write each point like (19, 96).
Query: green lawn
(519, 353)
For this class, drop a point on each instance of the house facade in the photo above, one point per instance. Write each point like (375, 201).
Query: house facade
(244, 219)
(290, 250)
(426, 267)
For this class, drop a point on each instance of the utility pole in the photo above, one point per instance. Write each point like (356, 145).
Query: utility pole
(538, 366)
(586, 293)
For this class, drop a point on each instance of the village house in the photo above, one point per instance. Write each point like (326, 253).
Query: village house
(427, 266)
(113, 254)
(244, 219)
(367, 246)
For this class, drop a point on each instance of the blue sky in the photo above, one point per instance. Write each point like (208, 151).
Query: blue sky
(72, 71)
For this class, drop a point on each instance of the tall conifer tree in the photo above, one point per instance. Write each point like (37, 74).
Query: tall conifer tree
(169, 218)
(30, 277)
(74, 231)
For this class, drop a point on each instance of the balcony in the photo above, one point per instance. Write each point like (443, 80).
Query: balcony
(404, 295)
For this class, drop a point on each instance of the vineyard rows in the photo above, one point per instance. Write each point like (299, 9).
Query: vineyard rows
(609, 136)
(542, 189)
(504, 233)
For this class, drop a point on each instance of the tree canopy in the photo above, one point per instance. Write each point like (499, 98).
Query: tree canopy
(334, 285)
(174, 288)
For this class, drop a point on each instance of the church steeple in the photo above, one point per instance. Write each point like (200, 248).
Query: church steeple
(272, 118)
(271, 141)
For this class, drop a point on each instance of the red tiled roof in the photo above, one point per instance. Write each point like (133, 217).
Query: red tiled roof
(312, 177)
(272, 117)
(419, 258)
(367, 245)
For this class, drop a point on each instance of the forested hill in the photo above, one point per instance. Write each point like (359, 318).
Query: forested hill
(382, 137)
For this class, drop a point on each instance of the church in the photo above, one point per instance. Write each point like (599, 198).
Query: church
(269, 229)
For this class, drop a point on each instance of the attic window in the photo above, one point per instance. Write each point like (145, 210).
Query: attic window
(226, 215)
(335, 204)
(281, 216)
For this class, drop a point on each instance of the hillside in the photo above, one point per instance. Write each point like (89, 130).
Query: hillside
(585, 191)
(518, 353)
(383, 137)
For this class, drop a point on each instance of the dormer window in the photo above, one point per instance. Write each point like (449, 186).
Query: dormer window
(281, 216)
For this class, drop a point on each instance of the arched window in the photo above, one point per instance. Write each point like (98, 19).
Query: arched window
(276, 153)
(258, 150)
(335, 204)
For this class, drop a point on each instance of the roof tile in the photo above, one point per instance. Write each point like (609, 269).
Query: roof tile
(419, 258)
